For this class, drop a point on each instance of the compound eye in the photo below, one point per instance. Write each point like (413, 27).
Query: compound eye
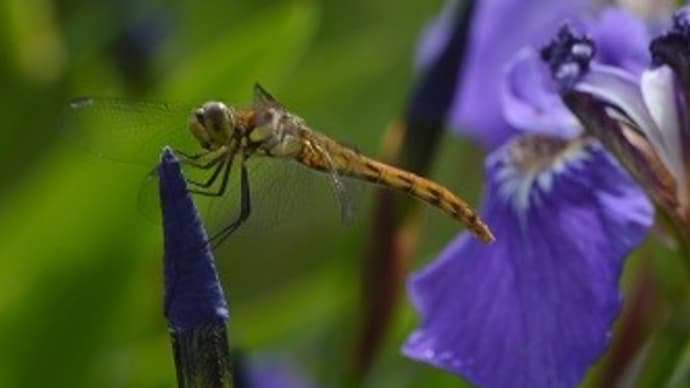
(199, 115)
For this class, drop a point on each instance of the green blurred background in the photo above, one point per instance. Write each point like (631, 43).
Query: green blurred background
(80, 282)
(80, 274)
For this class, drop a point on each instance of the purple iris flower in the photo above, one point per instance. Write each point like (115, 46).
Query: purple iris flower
(499, 29)
(535, 308)
(641, 116)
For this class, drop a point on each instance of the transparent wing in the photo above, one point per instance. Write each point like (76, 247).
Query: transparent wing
(127, 130)
(284, 194)
(285, 197)
(148, 198)
(339, 188)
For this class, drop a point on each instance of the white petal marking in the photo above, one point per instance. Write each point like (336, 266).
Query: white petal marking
(621, 89)
(658, 91)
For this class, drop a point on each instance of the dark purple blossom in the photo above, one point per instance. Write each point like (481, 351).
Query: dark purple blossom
(535, 308)
(193, 294)
(195, 306)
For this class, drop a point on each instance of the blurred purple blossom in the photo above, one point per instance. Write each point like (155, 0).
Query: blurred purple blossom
(535, 308)
(268, 371)
(134, 47)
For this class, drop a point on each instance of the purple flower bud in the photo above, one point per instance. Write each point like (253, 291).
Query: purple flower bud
(193, 294)
(195, 306)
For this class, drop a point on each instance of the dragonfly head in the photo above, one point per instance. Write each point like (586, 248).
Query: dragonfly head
(212, 124)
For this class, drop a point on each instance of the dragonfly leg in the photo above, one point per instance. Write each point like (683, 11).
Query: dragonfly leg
(223, 183)
(193, 160)
(211, 179)
(189, 156)
(245, 209)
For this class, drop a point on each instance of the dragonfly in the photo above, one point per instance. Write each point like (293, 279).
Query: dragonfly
(227, 137)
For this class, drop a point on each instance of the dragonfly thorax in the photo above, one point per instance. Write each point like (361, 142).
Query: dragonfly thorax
(212, 124)
(277, 132)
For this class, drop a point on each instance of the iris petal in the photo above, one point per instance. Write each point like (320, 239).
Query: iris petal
(622, 90)
(535, 308)
(622, 40)
(659, 93)
(498, 31)
(530, 101)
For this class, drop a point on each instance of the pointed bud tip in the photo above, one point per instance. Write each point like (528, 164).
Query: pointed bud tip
(168, 155)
